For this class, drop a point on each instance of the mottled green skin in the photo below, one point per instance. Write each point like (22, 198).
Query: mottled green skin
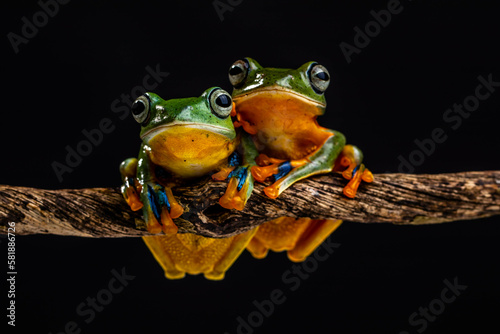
(294, 80)
(190, 110)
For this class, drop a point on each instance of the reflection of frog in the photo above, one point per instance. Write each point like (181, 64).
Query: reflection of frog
(278, 108)
(182, 139)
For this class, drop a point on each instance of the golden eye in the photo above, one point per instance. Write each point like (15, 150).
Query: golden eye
(238, 72)
(221, 103)
(319, 78)
(140, 109)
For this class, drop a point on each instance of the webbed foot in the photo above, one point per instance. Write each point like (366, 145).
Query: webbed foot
(354, 170)
(239, 189)
(160, 208)
(240, 185)
(277, 169)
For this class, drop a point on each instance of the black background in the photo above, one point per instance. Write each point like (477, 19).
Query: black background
(394, 91)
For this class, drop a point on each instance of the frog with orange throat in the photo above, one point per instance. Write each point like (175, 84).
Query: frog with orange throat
(277, 108)
(182, 140)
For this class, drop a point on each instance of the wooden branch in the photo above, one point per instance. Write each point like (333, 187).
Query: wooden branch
(392, 198)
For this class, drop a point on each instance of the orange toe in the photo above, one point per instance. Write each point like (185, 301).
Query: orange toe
(347, 174)
(262, 173)
(262, 160)
(176, 209)
(132, 199)
(223, 173)
(238, 203)
(169, 227)
(152, 224)
(227, 199)
(367, 176)
(271, 191)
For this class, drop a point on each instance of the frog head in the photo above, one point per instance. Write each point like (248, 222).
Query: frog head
(188, 136)
(302, 88)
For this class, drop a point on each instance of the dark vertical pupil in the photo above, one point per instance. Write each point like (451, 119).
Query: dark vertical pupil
(223, 101)
(235, 70)
(138, 107)
(322, 75)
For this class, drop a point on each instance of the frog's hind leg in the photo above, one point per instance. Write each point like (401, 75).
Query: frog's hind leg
(287, 173)
(131, 187)
(299, 237)
(349, 163)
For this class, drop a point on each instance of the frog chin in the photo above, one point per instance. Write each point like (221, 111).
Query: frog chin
(190, 150)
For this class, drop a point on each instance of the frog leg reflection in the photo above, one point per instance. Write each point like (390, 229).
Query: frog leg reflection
(194, 254)
(322, 160)
(349, 161)
(238, 172)
(299, 237)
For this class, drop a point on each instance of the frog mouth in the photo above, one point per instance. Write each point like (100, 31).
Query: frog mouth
(171, 127)
(279, 92)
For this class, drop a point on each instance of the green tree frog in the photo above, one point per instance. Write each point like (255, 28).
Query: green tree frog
(278, 109)
(184, 139)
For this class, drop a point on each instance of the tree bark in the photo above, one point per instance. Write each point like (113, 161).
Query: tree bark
(402, 199)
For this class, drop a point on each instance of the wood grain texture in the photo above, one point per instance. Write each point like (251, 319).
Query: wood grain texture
(404, 199)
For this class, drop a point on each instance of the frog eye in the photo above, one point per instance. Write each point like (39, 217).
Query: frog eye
(238, 72)
(221, 103)
(319, 78)
(140, 109)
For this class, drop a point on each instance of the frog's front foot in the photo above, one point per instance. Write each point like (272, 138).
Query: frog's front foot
(160, 208)
(354, 170)
(239, 189)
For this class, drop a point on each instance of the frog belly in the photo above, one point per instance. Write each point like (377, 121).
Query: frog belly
(285, 127)
(189, 152)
